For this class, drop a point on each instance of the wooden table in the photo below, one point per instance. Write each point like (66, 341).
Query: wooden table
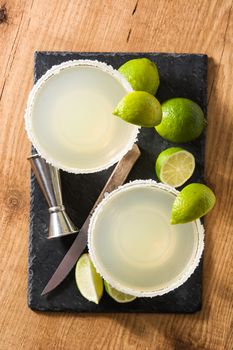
(199, 26)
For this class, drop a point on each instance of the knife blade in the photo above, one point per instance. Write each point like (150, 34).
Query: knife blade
(116, 179)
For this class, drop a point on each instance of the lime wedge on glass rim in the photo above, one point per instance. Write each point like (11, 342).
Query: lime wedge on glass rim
(193, 201)
(89, 282)
(117, 295)
(139, 108)
(174, 166)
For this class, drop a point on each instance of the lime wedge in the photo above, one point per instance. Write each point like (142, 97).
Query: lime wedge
(116, 295)
(174, 166)
(139, 108)
(193, 202)
(88, 281)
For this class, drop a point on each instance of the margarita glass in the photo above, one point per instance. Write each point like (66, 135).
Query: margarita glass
(69, 116)
(133, 245)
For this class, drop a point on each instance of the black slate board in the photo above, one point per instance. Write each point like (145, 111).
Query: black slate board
(182, 75)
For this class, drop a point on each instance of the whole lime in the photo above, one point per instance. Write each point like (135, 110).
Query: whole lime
(193, 202)
(142, 74)
(139, 108)
(182, 120)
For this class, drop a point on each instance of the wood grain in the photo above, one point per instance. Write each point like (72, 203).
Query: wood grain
(199, 26)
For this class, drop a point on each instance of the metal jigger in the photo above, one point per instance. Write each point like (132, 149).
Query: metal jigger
(48, 178)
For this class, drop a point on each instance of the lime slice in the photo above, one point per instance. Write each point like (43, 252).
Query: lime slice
(174, 166)
(182, 120)
(142, 74)
(88, 281)
(139, 108)
(116, 295)
(193, 202)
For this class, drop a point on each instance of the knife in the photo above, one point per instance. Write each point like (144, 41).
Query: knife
(118, 177)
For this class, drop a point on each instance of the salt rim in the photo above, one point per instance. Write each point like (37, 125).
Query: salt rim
(191, 266)
(39, 84)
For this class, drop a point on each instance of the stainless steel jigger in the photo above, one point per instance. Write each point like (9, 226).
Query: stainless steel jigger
(48, 178)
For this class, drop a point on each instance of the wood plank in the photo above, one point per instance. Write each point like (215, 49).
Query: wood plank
(129, 25)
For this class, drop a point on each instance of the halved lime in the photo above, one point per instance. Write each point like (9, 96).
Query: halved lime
(89, 282)
(116, 295)
(142, 74)
(174, 166)
(193, 202)
(139, 108)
